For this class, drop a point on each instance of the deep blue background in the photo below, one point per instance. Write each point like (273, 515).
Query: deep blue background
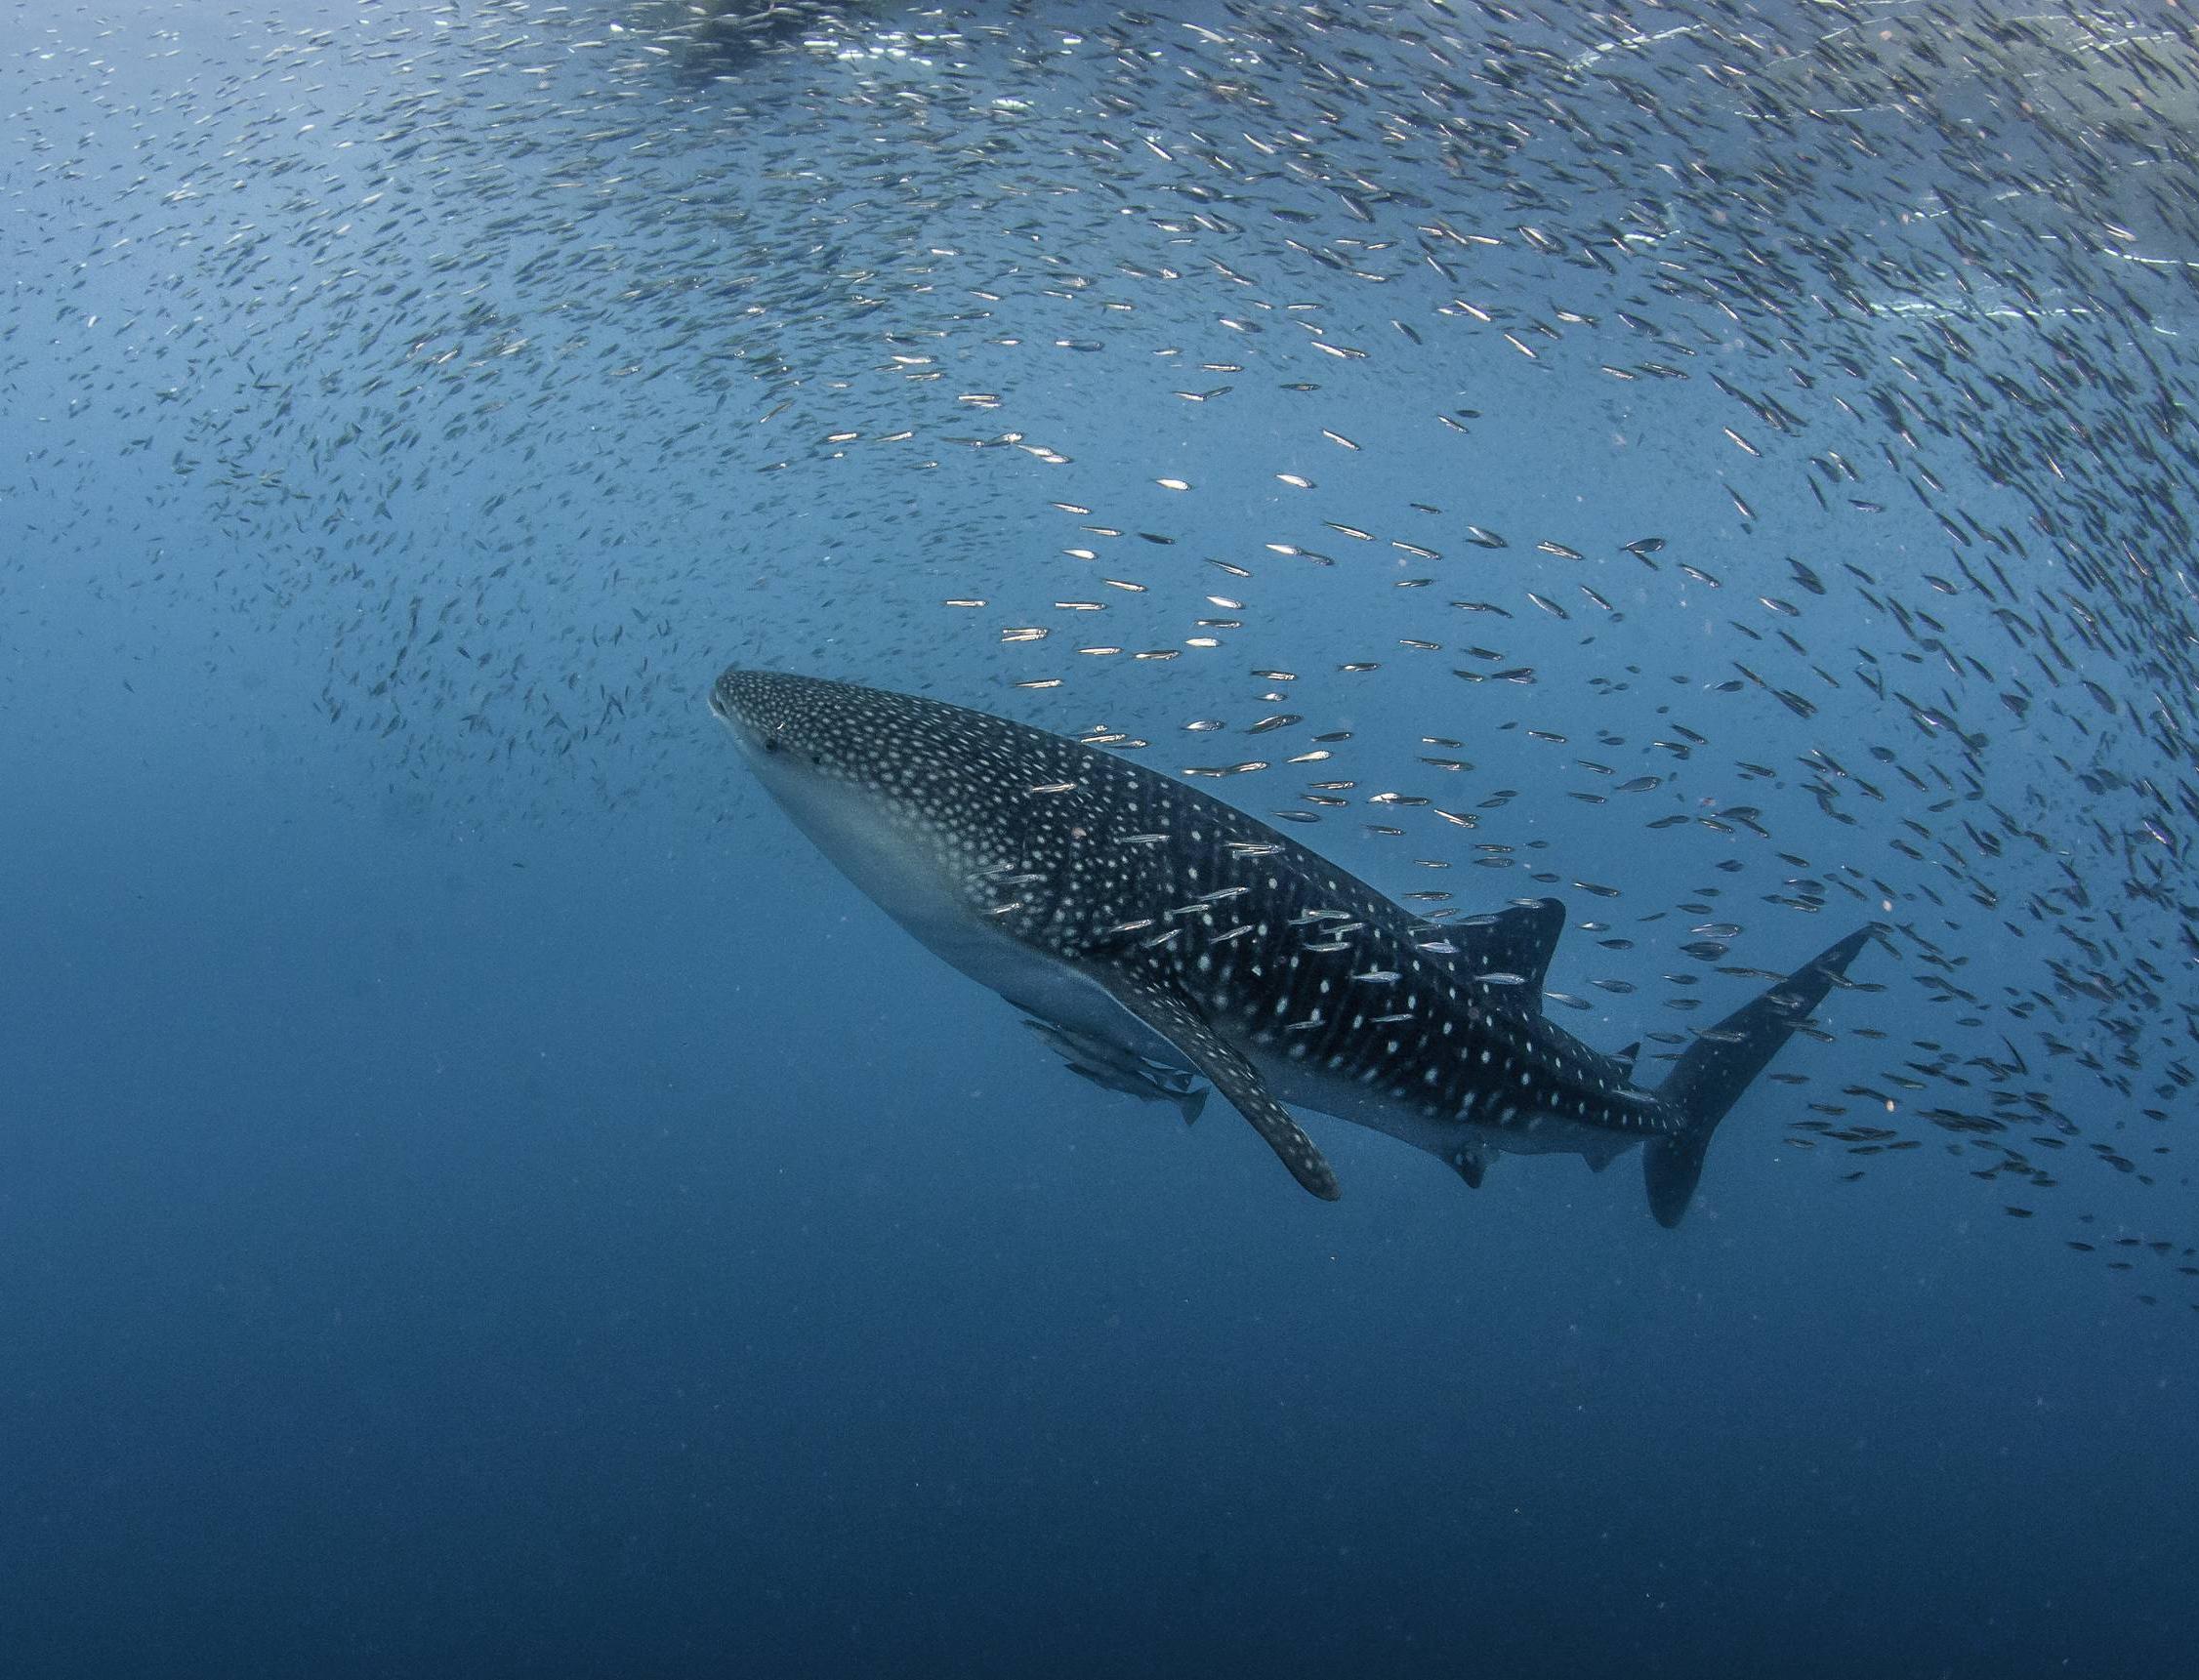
(499, 1218)
(647, 1260)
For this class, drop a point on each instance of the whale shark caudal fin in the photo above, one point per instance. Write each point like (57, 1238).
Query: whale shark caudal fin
(1721, 1065)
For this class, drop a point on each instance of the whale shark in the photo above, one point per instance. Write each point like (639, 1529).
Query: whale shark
(1154, 933)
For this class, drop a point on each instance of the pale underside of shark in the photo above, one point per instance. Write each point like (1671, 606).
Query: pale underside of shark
(1152, 933)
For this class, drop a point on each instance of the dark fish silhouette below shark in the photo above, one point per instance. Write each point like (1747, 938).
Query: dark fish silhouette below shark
(1152, 924)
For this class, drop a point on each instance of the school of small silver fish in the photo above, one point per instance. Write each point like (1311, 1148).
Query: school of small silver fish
(1192, 381)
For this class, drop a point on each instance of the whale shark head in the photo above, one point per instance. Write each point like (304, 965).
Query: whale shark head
(922, 805)
(768, 713)
(916, 763)
(839, 761)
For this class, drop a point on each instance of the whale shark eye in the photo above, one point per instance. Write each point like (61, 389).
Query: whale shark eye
(773, 744)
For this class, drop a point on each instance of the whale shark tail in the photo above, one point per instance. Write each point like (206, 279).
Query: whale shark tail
(1721, 1065)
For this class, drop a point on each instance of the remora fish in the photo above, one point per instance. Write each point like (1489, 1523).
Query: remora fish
(1126, 908)
(1109, 1067)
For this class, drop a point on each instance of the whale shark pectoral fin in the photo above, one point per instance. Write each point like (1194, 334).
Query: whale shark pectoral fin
(1164, 1008)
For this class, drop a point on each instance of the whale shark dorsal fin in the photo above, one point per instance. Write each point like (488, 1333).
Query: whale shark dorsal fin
(1518, 940)
(1162, 1005)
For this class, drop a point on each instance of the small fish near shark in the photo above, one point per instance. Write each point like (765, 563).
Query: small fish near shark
(1153, 934)
(1110, 1067)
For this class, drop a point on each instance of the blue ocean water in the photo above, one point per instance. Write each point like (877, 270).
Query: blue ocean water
(479, 1194)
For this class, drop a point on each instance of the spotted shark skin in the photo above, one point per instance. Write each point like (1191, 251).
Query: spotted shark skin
(1134, 911)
